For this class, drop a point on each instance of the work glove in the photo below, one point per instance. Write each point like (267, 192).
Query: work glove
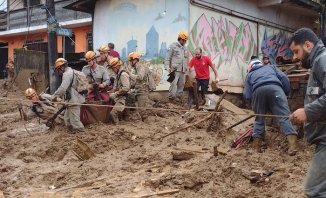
(113, 96)
(55, 99)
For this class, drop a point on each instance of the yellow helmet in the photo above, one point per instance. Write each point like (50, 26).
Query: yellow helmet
(90, 55)
(103, 49)
(114, 62)
(59, 62)
(183, 35)
(30, 92)
(133, 55)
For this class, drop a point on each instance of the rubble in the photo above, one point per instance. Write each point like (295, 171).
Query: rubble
(131, 152)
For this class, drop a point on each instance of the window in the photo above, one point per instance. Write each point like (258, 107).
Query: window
(89, 38)
(69, 44)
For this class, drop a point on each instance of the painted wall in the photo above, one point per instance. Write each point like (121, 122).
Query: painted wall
(274, 43)
(228, 41)
(80, 39)
(18, 41)
(141, 25)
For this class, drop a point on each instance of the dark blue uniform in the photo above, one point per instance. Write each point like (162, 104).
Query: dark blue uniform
(266, 88)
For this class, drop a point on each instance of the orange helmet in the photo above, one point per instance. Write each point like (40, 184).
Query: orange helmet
(103, 49)
(90, 55)
(59, 62)
(30, 92)
(183, 35)
(114, 62)
(133, 55)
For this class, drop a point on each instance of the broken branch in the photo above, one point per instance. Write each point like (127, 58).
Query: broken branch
(217, 108)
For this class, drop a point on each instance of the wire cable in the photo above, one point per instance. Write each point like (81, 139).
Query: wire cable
(146, 108)
(62, 29)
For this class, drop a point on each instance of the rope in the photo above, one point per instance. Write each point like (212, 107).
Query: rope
(148, 108)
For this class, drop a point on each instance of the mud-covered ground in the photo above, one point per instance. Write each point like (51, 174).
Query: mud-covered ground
(132, 161)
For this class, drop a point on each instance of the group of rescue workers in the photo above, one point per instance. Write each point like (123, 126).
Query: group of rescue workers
(266, 90)
(108, 81)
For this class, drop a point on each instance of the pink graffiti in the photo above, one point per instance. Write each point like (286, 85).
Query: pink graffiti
(223, 40)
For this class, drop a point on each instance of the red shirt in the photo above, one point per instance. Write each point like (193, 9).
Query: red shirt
(201, 66)
(114, 54)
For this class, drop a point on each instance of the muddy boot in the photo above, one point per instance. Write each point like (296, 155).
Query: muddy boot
(172, 100)
(203, 101)
(114, 118)
(256, 144)
(293, 147)
(180, 99)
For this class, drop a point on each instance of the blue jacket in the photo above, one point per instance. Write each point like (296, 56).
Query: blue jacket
(260, 75)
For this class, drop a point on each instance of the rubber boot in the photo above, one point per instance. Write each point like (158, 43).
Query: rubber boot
(114, 118)
(256, 144)
(293, 146)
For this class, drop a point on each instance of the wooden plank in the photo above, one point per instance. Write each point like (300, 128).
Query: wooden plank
(226, 104)
(162, 192)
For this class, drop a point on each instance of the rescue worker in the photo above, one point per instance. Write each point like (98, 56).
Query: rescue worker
(201, 65)
(112, 52)
(104, 59)
(10, 70)
(308, 48)
(10, 67)
(176, 61)
(98, 78)
(42, 107)
(266, 89)
(120, 90)
(140, 77)
(266, 60)
(67, 91)
(104, 56)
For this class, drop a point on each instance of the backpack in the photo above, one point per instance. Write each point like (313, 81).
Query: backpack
(153, 80)
(82, 82)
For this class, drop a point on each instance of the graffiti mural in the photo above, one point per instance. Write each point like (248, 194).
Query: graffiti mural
(274, 43)
(148, 27)
(228, 41)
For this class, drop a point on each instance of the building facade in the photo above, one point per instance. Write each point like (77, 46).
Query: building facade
(24, 23)
(229, 32)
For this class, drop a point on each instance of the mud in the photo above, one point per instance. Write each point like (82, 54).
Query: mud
(132, 161)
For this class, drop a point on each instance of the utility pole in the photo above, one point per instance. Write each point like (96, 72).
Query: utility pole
(52, 45)
(28, 14)
(8, 14)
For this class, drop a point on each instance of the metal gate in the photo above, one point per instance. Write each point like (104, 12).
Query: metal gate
(32, 69)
